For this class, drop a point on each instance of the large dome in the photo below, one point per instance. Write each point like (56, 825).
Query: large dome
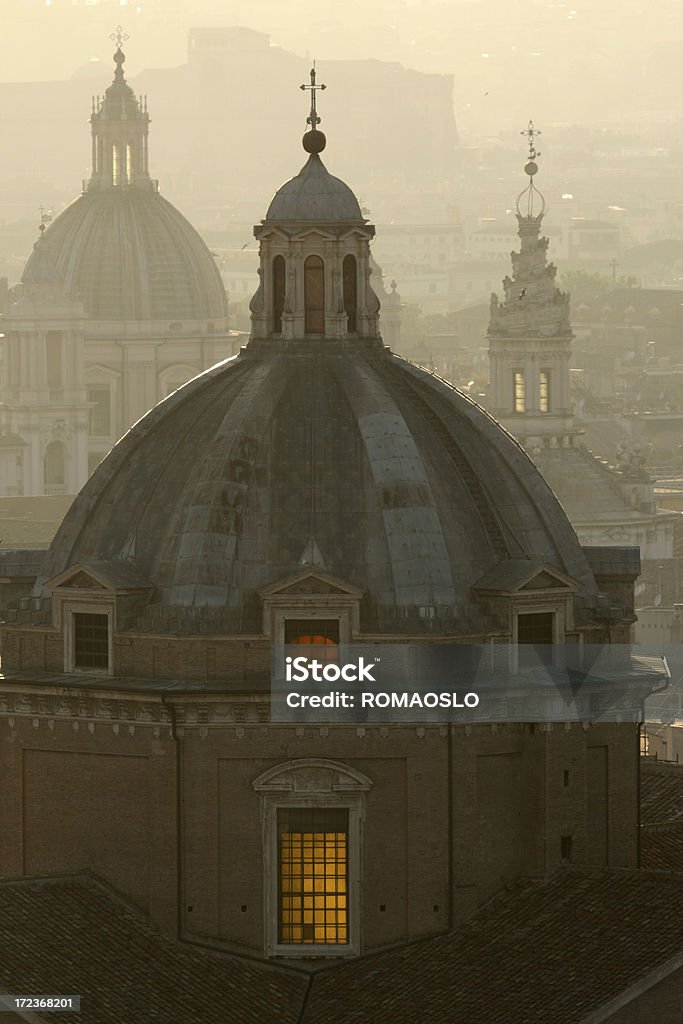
(346, 457)
(128, 254)
(314, 195)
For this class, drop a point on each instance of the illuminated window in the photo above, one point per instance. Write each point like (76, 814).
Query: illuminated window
(115, 173)
(129, 164)
(350, 277)
(279, 288)
(322, 633)
(91, 641)
(312, 812)
(519, 395)
(314, 876)
(314, 295)
(311, 631)
(544, 391)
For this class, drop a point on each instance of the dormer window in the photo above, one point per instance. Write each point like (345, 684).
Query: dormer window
(91, 641)
(312, 631)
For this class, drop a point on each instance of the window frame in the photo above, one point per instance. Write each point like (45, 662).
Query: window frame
(87, 607)
(311, 783)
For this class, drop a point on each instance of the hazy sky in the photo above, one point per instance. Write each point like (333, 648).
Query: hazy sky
(576, 61)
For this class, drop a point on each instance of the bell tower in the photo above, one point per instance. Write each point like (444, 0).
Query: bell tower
(314, 255)
(120, 128)
(529, 332)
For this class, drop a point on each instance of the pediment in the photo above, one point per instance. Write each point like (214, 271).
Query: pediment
(308, 234)
(522, 575)
(360, 233)
(310, 583)
(111, 575)
(271, 231)
(78, 579)
(544, 580)
(312, 776)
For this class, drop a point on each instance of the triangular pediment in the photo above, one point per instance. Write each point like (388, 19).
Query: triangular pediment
(310, 583)
(361, 233)
(78, 579)
(545, 580)
(312, 233)
(521, 575)
(111, 575)
(271, 231)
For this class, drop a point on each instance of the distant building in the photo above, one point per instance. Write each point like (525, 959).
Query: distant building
(119, 304)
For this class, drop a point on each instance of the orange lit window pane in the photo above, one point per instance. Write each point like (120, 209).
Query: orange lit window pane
(314, 861)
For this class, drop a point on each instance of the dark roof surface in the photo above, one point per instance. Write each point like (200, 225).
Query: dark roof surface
(567, 946)
(556, 951)
(408, 490)
(661, 792)
(314, 195)
(73, 933)
(661, 815)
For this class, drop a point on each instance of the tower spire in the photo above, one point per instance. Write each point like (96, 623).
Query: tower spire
(313, 140)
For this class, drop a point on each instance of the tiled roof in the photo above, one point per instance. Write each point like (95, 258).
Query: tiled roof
(661, 847)
(556, 951)
(562, 948)
(661, 816)
(661, 792)
(73, 933)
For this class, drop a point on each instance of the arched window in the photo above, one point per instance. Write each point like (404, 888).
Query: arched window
(350, 277)
(314, 295)
(53, 467)
(279, 288)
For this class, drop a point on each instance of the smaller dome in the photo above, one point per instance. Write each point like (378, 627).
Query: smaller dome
(314, 194)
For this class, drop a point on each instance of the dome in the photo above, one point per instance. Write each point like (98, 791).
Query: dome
(314, 195)
(376, 471)
(128, 254)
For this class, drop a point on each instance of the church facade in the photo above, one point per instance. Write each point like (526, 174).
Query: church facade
(316, 488)
(119, 304)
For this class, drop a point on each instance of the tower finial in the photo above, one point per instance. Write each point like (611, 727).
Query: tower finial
(531, 132)
(313, 140)
(119, 37)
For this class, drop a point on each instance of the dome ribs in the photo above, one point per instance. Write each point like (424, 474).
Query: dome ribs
(405, 387)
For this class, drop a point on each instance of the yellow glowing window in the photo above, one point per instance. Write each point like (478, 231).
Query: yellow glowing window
(519, 395)
(115, 174)
(314, 876)
(129, 164)
(544, 391)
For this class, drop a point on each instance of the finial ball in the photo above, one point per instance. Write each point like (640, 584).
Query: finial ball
(314, 141)
(530, 168)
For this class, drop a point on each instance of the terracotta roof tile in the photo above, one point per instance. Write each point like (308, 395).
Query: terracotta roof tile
(563, 948)
(661, 792)
(74, 934)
